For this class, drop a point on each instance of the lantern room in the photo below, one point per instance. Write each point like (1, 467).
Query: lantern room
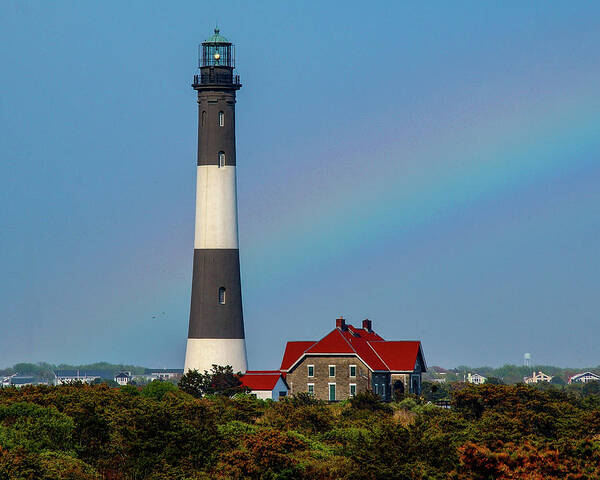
(216, 58)
(217, 51)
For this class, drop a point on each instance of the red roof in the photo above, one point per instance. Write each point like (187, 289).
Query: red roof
(332, 342)
(293, 351)
(260, 379)
(363, 349)
(398, 356)
(377, 353)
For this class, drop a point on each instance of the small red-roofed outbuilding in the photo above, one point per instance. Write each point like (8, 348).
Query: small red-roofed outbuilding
(265, 384)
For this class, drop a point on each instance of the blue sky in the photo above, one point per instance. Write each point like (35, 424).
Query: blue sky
(434, 167)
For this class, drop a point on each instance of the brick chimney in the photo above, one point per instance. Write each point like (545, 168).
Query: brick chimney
(341, 324)
(367, 325)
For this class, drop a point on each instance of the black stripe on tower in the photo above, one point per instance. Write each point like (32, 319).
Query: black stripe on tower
(213, 315)
(216, 127)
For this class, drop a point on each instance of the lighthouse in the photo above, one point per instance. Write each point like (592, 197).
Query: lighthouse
(216, 329)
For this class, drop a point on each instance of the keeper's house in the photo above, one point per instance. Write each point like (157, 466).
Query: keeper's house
(351, 360)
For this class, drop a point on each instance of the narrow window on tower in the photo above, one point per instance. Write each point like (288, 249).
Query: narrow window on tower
(222, 295)
(221, 159)
(203, 117)
(221, 119)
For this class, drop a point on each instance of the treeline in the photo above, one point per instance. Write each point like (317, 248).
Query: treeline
(159, 432)
(45, 370)
(510, 374)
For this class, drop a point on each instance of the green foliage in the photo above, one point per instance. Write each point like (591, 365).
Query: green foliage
(591, 388)
(219, 381)
(107, 381)
(494, 381)
(502, 432)
(157, 389)
(129, 390)
(304, 399)
(434, 391)
(34, 428)
(20, 465)
(369, 401)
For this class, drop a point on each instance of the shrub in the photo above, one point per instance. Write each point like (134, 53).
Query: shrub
(157, 389)
(369, 401)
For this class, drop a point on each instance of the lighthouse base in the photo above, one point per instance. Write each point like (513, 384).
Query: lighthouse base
(202, 353)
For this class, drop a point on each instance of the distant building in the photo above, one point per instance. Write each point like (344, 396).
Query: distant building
(265, 384)
(476, 379)
(6, 380)
(438, 380)
(17, 380)
(22, 381)
(584, 377)
(537, 377)
(164, 373)
(351, 360)
(123, 378)
(62, 377)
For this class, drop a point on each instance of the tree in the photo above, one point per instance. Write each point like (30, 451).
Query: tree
(557, 381)
(591, 388)
(495, 381)
(157, 389)
(369, 401)
(107, 381)
(219, 381)
(435, 391)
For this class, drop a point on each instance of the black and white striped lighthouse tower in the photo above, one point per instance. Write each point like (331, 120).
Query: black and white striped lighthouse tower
(216, 332)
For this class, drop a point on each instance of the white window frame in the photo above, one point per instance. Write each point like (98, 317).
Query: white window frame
(222, 295)
(221, 119)
(221, 159)
(308, 367)
(350, 389)
(308, 385)
(330, 367)
(334, 391)
(350, 371)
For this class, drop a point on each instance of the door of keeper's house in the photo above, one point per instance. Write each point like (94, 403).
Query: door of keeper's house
(332, 392)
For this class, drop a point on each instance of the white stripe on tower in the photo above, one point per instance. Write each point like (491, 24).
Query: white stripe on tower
(202, 353)
(216, 207)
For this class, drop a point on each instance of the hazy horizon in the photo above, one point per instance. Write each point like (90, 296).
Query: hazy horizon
(433, 167)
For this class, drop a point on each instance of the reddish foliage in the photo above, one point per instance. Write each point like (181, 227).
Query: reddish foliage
(521, 462)
(265, 451)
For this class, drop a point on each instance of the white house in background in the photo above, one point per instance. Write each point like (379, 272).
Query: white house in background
(62, 377)
(123, 378)
(265, 384)
(537, 377)
(475, 378)
(584, 377)
(6, 380)
(16, 380)
(163, 373)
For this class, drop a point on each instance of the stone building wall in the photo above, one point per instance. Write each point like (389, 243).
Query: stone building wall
(298, 378)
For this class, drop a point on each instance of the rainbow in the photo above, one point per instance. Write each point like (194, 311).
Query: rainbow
(563, 140)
